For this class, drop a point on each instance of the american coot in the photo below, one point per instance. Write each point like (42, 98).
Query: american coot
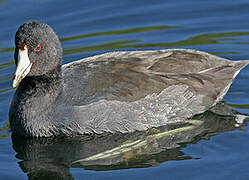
(113, 92)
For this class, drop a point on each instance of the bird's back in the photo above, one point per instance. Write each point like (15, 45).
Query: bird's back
(130, 76)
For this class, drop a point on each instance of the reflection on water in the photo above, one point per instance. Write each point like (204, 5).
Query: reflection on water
(45, 157)
(7, 49)
(120, 32)
(4, 130)
(212, 38)
(6, 65)
(239, 106)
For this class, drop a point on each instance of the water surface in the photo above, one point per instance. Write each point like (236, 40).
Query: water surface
(87, 28)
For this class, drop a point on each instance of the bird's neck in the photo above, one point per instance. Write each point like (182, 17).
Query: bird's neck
(34, 97)
(43, 89)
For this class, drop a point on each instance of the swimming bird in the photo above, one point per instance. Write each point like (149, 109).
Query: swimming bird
(122, 91)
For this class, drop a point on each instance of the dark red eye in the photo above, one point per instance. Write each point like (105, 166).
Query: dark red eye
(38, 48)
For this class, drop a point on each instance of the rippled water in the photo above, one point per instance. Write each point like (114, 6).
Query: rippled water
(87, 28)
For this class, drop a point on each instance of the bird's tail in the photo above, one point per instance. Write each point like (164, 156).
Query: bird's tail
(238, 66)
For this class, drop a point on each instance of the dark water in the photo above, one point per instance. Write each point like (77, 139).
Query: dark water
(87, 28)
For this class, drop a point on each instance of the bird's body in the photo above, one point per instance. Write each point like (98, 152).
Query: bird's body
(120, 92)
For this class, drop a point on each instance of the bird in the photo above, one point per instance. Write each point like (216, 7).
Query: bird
(114, 92)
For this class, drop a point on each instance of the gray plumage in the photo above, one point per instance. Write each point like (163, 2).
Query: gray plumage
(113, 92)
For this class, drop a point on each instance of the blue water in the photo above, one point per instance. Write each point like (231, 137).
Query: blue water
(87, 28)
